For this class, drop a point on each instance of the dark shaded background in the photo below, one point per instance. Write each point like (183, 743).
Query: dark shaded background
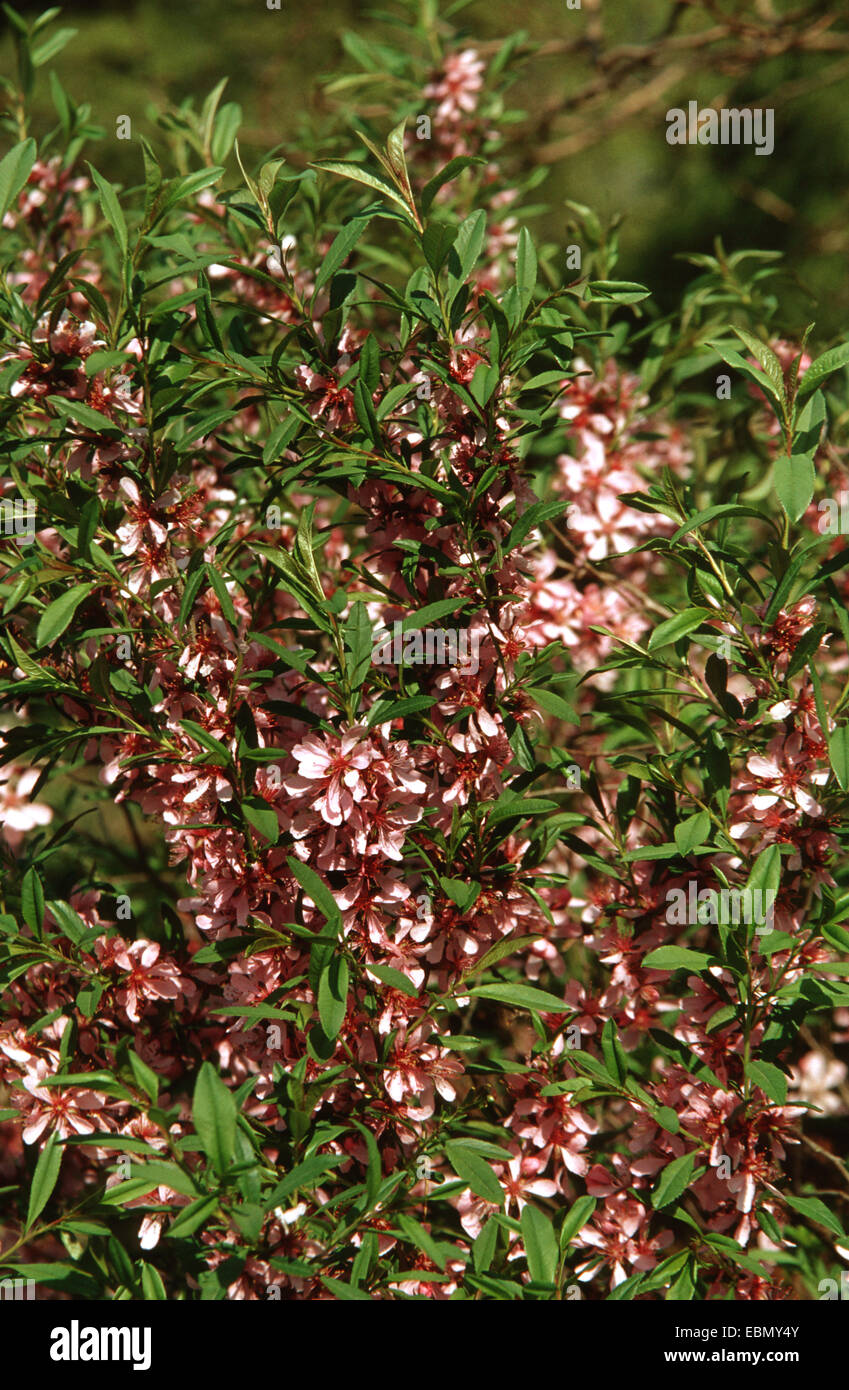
(135, 58)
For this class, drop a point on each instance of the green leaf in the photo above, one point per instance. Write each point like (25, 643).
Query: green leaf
(769, 1078)
(152, 1285)
(82, 414)
(461, 892)
(540, 1244)
(315, 889)
(676, 958)
(221, 757)
(734, 359)
(341, 249)
(829, 362)
(691, 832)
(534, 516)
(333, 995)
(722, 509)
(509, 805)
(359, 174)
(838, 752)
(29, 667)
(177, 189)
(223, 595)
(794, 480)
(483, 1247)
(617, 291)
(521, 997)
(678, 626)
(395, 979)
(15, 169)
(526, 268)
(576, 1218)
(32, 901)
(613, 1053)
(468, 245)
(764, 354)
(358, 642)
(214, 1116)
(58, 614)
(424, 616)
(192, 1216)
(262, 817)
(766, 871)
(69, 922)
(674, 1179)
(346, 1293)
(475, 1172)
(554, 704)
(384, 710)
(364, 410)
(816, 1210)
(448, 172)
(111, 208)
(144, 1177)
(52, 46)
(44, 1178)
(304, 1175)
(144, 1076)
(369, 365)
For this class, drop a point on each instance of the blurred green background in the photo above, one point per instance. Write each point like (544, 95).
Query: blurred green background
(129, 58)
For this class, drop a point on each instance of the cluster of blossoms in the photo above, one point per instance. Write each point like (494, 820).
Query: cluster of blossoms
(387, 993)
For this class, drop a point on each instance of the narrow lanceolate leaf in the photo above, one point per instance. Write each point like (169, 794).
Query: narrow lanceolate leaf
(304, 1175)
(764, 354)
(15, 169)
(340, 250)
(333, 995)
(522, 997)
(32, 900)
(58, 614)
(111, 209)
(315, 889)
(44, 1178)
(618, 291)
(838, 752)
(613, 1052)
(526, 267)
(540, 1244)
(359, 174)
(214, 1116)
(576, 1218)
(192, 1216)
(678, 626)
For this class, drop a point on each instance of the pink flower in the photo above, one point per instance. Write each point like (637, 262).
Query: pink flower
(148, 977)
(329, 772)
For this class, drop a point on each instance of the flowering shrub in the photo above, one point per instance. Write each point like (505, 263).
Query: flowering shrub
(346, 953)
